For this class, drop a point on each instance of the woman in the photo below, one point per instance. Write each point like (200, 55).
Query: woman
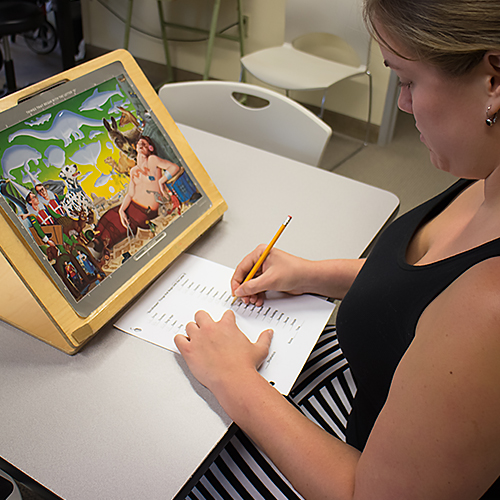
(420, 319)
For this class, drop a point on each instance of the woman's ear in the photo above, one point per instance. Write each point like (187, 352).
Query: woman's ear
(492, 60)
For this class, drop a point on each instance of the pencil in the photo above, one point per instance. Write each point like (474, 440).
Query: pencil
(264, 255)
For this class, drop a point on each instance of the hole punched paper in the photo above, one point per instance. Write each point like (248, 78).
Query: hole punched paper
(193, 283)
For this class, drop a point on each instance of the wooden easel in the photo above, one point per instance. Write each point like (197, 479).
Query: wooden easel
(29, 299)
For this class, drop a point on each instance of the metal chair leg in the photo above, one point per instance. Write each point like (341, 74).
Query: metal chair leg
(170, 77)
(323, 100)
(241, 34)
(128, 23)
(211, 39)
(212, 34)
(368, 125)
(370, 97)
(10, 75)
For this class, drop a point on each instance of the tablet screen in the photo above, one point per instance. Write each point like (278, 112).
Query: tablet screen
(94, 184)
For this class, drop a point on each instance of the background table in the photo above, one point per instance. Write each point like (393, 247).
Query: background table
(125, 419)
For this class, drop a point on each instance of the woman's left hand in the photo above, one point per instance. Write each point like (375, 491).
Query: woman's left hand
(217, 352)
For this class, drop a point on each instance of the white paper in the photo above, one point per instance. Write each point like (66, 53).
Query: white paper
(192, 284)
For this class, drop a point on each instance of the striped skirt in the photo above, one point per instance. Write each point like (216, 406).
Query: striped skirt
(323, 392)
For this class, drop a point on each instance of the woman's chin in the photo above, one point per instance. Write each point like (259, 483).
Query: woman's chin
(438, 163)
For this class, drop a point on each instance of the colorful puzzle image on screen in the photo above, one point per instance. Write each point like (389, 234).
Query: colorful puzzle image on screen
(93, 179)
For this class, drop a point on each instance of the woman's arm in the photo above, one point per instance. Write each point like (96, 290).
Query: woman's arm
(286, 273)
(437, 437)
(225, 361)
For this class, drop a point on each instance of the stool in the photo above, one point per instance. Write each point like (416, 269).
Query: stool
(8, 488)
(212, 33)
(16, 17)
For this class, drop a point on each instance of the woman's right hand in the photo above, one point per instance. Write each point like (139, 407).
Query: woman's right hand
(280, 272)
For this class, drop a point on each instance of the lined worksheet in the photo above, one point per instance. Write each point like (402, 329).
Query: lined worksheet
(192, 284)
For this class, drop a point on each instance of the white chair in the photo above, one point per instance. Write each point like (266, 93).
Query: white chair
(290, 68)
(280, 126)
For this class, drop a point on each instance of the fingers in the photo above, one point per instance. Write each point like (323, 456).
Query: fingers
(265, 339)
(262, 347)
(253, 287)
(252, 291)
(229, 316)
(216, 351)
(201, 320)
(204, 322)
(245, 266)
(181, 342)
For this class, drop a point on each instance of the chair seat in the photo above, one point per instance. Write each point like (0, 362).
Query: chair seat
(288, 68)
(18, 17)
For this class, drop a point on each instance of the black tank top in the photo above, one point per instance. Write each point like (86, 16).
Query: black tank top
(377, 319)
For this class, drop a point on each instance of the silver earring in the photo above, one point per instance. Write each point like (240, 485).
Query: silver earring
(490, 120)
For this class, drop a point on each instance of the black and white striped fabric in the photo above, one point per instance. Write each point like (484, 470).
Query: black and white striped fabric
(324, 392)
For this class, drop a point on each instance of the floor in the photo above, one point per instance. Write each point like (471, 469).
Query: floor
(402, 167)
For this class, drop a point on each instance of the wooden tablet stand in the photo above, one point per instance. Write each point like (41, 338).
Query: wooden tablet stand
(29, 298)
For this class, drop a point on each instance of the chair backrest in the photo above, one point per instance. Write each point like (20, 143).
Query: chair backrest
(281, 126)
(342, 18)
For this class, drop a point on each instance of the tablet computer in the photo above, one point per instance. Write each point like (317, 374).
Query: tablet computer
(94, 184)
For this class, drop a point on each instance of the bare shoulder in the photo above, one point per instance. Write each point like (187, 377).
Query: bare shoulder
(472, 300)
(439, 432)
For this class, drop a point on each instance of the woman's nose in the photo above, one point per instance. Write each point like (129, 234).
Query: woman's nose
(405, 101)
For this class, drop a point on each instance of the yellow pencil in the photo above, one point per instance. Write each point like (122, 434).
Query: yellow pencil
(264, 255)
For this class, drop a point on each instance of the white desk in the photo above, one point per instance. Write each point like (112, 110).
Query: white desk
(124, 419)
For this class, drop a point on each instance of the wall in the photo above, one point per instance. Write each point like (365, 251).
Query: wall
(266, 19)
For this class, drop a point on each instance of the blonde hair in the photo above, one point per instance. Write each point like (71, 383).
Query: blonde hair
(453, 35)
